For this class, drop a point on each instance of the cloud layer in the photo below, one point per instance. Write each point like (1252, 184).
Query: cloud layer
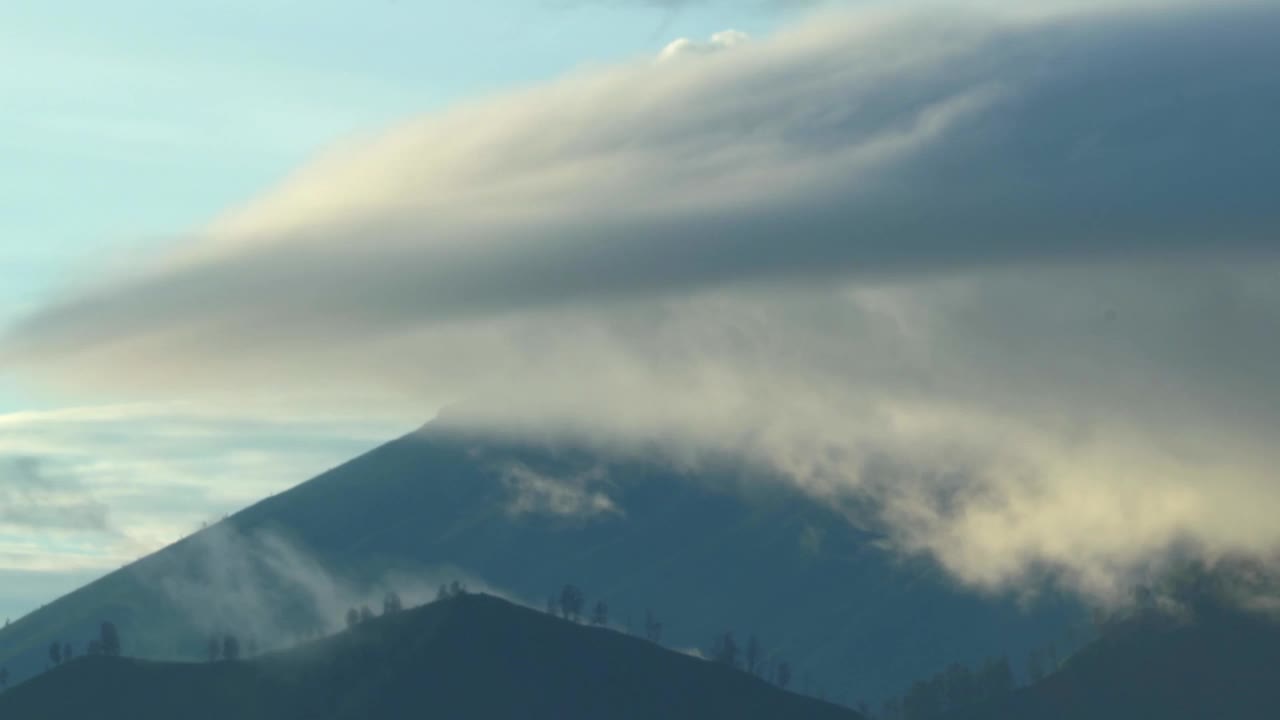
(1009, 274)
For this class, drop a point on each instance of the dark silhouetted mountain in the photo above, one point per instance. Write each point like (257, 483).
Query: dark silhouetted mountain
(1221, 665)
(722, 549)
(474, 657)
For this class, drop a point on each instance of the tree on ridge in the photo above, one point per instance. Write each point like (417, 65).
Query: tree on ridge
(600, 613)
(230, 647)
(110, 638)
(571, 601)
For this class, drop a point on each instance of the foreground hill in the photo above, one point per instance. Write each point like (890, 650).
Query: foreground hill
(1222, 664)
(473, 656)
(719, 550)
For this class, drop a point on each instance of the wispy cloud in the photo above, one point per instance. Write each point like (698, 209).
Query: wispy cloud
(579, 495)
(266, 587)
(1008, 272)
(32, 496)
(93, 487)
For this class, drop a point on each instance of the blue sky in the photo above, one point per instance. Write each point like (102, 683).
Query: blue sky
(128, 125)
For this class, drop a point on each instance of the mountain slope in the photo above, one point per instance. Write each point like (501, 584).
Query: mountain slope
(708, 552)
(1223, 665)
(472, 656)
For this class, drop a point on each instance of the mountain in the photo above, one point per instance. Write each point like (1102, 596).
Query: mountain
(1221, 664)
(720, 549)
(472, 656)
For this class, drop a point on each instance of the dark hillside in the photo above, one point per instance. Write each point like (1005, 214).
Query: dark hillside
(472, 656)
(1223, 665)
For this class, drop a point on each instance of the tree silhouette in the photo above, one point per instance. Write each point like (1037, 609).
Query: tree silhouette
(953, 690)
(724, 650)
(67, 652)
(784, 674)
(925, 699)
(996, 678)
(571, 601)
(652, 628)
(752, 656)
(94, 647)
(442, 593)
(110, 638)
(457, 589)
(55, 653)
(962, 689)
(365, 613)
(600, 614)
(353, 618)
(230, 647)
(391, 603)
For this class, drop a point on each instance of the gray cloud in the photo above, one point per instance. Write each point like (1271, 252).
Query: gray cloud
(886, 144)
(1009, 273)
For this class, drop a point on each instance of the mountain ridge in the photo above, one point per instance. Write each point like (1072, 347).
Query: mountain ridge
(472, 655)
(1218, 662)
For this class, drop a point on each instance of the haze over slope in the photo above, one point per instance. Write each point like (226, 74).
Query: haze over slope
(705, 553)
(1218, 663)
(467, 657)
(475, 656)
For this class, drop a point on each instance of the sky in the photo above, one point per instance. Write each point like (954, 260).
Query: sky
(128, 127)
(1007, 272)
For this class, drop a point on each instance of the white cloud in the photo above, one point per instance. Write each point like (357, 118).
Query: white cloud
(724, 40)
(1007, 273)
(578, 496)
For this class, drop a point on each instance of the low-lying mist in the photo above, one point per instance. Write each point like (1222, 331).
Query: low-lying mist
(272, 593)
